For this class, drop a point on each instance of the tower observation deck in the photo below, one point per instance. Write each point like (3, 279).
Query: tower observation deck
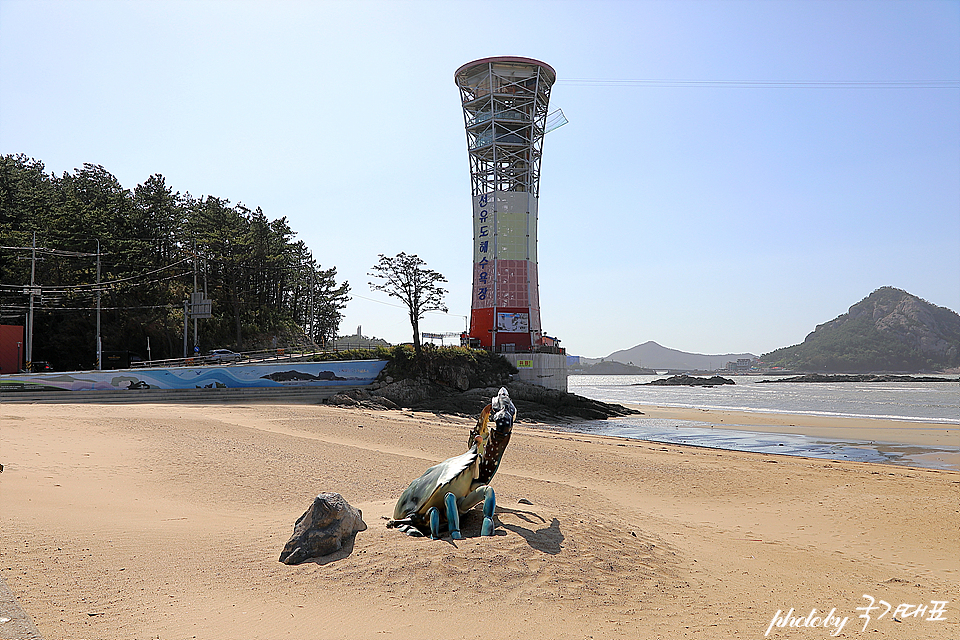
(505, 101)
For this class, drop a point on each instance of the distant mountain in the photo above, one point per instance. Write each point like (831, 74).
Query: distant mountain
(611, 368)
(889, 330)
(651, 355)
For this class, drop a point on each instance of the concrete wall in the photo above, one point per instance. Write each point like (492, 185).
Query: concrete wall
(337, 373)
(545, 369)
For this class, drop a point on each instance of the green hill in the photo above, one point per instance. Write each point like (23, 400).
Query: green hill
(889, 330)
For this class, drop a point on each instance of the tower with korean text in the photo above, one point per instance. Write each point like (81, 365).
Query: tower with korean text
(505, 103)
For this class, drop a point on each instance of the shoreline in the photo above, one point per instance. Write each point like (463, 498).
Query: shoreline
(867, 429)
(138, 521)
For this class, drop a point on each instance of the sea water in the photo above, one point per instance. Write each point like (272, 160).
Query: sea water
(934, 402)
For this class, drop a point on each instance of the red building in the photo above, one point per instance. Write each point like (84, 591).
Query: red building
(11, 348)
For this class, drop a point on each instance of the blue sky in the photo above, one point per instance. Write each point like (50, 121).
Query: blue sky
(708, 217)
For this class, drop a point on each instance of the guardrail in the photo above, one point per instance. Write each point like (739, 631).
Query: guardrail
(247, 357)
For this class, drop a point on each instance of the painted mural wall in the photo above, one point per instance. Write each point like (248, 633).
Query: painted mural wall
(289, 374)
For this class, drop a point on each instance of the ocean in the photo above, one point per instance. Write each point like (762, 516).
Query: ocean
(934, 402)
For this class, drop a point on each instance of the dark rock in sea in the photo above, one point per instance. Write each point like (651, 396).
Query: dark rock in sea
(690, 381)
(865, 377)
(324, 528)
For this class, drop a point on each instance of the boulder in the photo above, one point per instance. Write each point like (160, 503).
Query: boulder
(411, 392)
(322, 529)
(361, 398)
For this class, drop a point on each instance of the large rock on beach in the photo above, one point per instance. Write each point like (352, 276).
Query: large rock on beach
(361, 398)
(322, 529)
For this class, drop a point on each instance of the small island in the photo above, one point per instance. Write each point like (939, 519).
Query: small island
(689, 381)
(860, 377)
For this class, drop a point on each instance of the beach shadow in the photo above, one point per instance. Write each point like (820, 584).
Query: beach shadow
(526, 516)
(545, 539)
(471, 523)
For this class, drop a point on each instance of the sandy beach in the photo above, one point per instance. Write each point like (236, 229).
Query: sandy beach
(167, 521)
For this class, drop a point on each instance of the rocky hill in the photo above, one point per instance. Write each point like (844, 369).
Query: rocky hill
(889, 330)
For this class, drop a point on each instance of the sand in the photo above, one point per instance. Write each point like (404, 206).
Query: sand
(167, 521)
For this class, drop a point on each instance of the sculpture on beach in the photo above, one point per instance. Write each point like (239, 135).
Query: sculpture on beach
(436, 499)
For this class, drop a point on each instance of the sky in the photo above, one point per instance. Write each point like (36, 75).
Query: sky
(808, 155)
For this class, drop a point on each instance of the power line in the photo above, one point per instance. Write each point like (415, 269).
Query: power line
(752, 84)
(399, 306)
(124, 308)
(104, 285)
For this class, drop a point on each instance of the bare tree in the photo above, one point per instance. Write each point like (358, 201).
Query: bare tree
(405, 277)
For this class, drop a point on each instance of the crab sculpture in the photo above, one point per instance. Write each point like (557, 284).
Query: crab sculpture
(451, 488)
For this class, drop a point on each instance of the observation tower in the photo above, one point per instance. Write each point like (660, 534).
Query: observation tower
(505, 101)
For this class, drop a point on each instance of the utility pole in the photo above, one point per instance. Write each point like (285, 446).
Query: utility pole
(197, 307)
(28, 352)
(193, 310)
(99, 343)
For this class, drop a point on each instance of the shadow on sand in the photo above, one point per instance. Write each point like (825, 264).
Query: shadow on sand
(546, 539)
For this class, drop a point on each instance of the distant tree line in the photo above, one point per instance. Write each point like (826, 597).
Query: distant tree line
(153, 243)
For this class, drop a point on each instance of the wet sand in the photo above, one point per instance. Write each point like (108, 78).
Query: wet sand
(145, 521)
(929, 434)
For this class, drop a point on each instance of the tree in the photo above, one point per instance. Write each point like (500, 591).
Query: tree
(329, 301)
(406, 278)
(262, 281)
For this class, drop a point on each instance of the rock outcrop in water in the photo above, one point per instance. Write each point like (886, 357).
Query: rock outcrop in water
(867, 377)
(689, 381)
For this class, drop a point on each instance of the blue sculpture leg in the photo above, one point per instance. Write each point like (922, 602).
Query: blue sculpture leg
(453, 516)
(434, 516)
(489, 504)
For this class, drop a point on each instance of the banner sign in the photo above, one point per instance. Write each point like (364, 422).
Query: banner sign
(513, 322)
